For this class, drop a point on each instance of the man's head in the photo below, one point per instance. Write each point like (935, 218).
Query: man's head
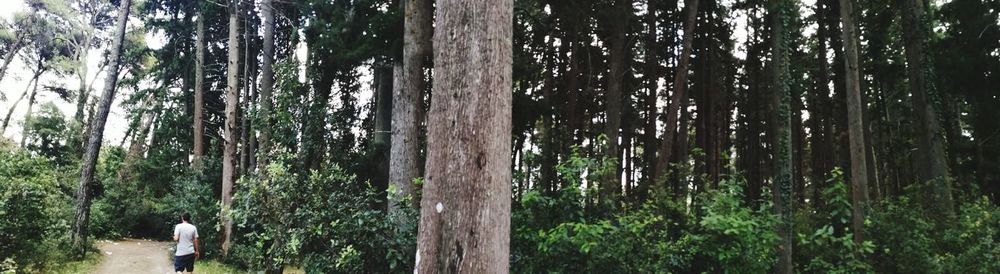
(186, 218)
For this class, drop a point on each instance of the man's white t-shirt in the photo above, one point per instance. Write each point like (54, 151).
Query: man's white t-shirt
(186, 233)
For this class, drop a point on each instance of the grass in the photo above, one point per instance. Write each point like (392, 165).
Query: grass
(214, 267)
(86, 265)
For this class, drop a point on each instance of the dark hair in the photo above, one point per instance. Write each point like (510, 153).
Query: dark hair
(186, 217)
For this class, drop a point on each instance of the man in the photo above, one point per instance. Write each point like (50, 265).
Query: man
(186, 236)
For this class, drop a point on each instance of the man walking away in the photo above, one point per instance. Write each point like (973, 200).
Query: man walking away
(186, 236)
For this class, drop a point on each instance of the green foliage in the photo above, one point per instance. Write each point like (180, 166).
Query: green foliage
(828, 250)
(326, 221)
(33, 210)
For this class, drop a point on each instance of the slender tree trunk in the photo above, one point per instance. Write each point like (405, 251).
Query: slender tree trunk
(680, 90)
(649, 127)
(199, 94)
(407, 103)
(230, 130)
(96, 135)
(781, 13)
(266, 86)
(930, 144)
(859, 163)
(10, 112)
(27, 115)
(138, 146)
(7, 58)
(465, 210)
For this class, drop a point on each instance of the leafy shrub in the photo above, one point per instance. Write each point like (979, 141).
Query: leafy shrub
(326, 221)
(32, 210)
(827, 250)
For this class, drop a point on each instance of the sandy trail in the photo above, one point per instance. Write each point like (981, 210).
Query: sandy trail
(135, 256)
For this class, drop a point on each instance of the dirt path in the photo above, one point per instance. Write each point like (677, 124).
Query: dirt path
(135, 256)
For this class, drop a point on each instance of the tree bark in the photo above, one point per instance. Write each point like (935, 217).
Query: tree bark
(407, 103)
(199, 94)
(780, 11)
(266, 86)
(465, 210)
(859, 163)
(680, 90)
(230, 130)
(96, 135)
(933, 166)
(611, 185)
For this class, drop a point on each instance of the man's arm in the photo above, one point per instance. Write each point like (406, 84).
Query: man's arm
(197, 250)
(176, 237)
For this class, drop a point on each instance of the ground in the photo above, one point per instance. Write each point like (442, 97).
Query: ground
(135, 256)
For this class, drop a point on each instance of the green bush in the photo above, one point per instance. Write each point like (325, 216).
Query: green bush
(33, 212)
(327, 222)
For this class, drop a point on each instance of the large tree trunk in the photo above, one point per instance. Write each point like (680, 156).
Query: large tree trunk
(465, 210)
(230, 129)
(266, 85)
(930, 144)
(96, 135)
(407, 103)
(780, 11)
(611, 185)
(680, 90)
(859, 164)
(199, 94)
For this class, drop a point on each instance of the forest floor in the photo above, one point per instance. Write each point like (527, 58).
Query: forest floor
(134, 256)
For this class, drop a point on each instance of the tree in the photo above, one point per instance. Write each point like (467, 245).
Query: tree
(781, 15)
(407, 103)
(266, 83)
(96, 134)
(680, 89)
(231, 138)
(198, 149)
(465, 210)
(859, 165)
(933, 166)
(620, 18)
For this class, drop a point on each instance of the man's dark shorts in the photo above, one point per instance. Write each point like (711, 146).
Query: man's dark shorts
(184, 263)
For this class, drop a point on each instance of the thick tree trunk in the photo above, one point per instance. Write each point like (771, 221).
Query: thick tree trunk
(230, 129)
(407, 103)
(465, 210)
(96, 135)
(266, 86)
(198, 150)
(780, 11)
(930, 144)
(680, 90)
(611, 185)
(859, 163)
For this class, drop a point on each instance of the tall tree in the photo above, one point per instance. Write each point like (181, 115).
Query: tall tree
(679, 94)
(266, 84)
(620, 17)
(198, 149)
(465, 209)
(407, 103)
(96, 134)
(231, 137)
(859, 162)
(781, 14)
(933, 165)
